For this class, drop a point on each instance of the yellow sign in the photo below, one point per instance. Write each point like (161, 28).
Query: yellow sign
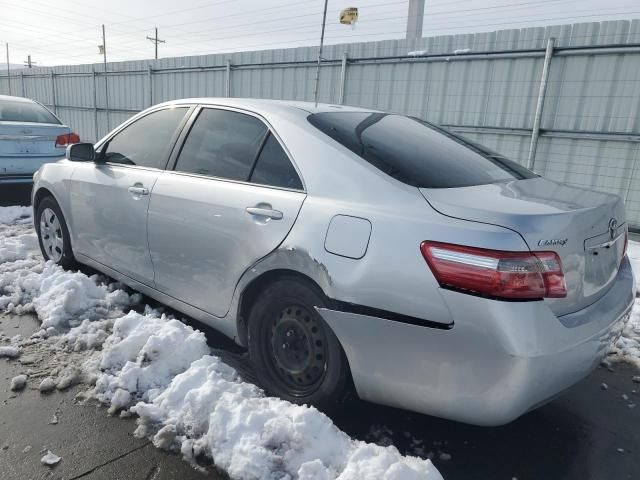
(349, 16)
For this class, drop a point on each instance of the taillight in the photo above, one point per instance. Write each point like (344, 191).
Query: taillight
(67, 139)
(509, 275)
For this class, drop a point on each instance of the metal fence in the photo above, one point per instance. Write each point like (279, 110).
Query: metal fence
(562, 99)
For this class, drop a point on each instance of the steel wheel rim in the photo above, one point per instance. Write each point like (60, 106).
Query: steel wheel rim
(298, 350)
(51, 235)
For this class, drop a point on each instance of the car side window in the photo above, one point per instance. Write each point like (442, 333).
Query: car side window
(146, 141)
(274, 168)
(222, 144)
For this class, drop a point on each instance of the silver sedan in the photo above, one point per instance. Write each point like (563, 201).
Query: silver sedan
(30, 135)
(350, 250)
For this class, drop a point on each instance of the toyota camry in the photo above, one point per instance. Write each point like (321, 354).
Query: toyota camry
(350, 250)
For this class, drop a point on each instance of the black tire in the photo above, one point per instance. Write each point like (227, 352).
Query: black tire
(280, 371)
(66, 259)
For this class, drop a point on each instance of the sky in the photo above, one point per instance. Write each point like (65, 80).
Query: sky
(68, 32)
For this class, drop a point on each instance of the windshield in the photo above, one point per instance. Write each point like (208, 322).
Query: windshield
(416, 152)
(28, 112)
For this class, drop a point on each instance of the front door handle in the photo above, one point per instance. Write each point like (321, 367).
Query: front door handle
(138, 190)
(265, 212)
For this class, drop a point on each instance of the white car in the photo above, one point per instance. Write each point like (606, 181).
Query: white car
(30, 135)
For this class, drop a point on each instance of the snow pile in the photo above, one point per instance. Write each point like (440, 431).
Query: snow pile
(633, 252)
(161, 369)
(61, 299)
(10, 215)
(417, 53)
(190, 401)
(628, 346)
(143, 354)
(18, 237)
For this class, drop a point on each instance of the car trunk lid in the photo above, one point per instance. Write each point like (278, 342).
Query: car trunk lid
(584, 227)
(18, 139)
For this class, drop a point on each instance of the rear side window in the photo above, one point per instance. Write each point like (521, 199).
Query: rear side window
(416, 152)
(27, 112)
(223, 144)
(274, 168)
(145, 142)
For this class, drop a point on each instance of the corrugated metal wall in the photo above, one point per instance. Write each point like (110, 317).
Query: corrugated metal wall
(590, 124)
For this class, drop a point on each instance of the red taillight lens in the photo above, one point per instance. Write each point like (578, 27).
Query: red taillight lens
(67, 139)
(509, 275)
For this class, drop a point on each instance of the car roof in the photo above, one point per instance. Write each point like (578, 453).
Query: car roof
(16, 99)
(269, 106)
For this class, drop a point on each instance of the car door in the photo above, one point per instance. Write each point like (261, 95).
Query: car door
(110, 198)
(232, 198)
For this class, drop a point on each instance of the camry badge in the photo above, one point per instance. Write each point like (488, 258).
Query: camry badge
(552, 242)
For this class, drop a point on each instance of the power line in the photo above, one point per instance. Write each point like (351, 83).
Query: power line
(156, 41)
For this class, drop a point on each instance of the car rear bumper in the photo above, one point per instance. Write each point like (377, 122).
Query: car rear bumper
(18, 169)
(500, 359)
(4, 179)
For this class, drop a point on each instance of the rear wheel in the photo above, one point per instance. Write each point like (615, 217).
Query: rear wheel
(53, 235)
(296, 355)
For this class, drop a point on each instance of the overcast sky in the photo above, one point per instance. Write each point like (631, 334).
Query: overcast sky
(69, 31)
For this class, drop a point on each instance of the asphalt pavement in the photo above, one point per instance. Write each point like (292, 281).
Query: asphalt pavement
(589, 432)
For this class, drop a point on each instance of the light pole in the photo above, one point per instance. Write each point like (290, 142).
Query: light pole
(324, 21)
(8, 74)
(103, 49)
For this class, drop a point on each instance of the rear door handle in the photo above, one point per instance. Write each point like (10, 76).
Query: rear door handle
(265, 212)
(139, 190)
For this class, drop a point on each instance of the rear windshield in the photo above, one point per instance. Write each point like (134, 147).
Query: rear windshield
(416, 152)
(12, 111)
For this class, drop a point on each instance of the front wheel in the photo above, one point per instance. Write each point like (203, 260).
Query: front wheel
(53, 235)
(296, 355)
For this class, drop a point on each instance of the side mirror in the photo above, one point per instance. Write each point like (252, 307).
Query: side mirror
(81, 152)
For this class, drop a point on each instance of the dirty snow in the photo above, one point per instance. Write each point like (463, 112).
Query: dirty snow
(628, 346)
(47, 385)
(18, 382)
(9, 352)
(50, 459)
(150, 364)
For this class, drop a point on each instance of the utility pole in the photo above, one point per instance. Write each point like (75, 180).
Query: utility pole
(156, 40)
(28, 62)
(106, 83)
(324, 22)
(8, 74)
(415, 17)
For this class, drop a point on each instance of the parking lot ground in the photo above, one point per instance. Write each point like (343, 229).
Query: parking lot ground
(92, 444)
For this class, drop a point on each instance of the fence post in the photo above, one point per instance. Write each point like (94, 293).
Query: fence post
(53, 93)
(343, 77)
(95, 103)
(227, 80)
(150, 77)
(24, 92)
(535, 132)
